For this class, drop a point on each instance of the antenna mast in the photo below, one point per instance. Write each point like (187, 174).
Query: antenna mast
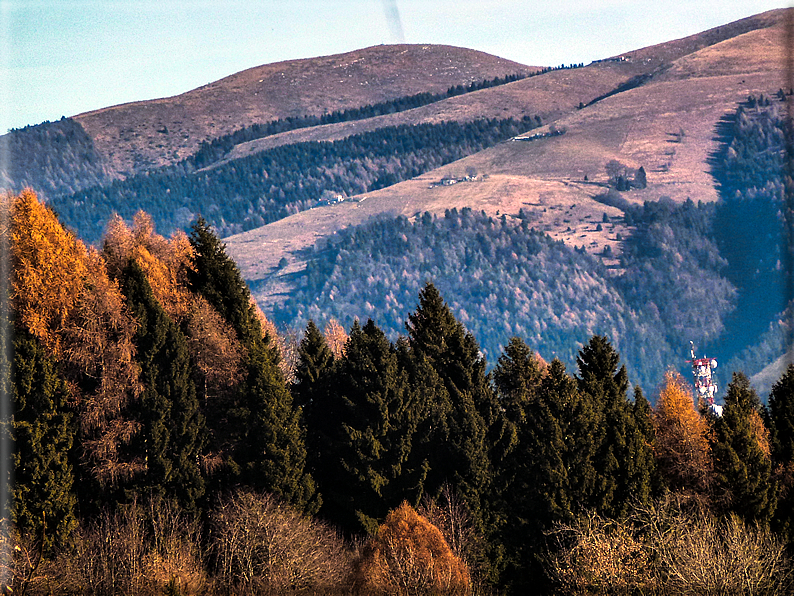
(705, 385)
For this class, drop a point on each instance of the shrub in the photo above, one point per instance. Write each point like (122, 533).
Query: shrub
(595, 554)
(409, 556)
(139, 550)
(663, 550)
(261, 545)
(135, 550)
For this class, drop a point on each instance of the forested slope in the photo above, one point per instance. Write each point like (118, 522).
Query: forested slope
(252, 191)
(159, 448)
(54, 157)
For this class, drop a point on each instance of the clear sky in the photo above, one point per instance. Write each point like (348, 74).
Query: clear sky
(63, 57)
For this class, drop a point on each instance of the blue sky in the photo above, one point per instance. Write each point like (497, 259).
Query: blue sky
(61, 58)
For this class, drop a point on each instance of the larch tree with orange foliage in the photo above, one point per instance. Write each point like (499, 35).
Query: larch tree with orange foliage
(48, 270)
(100, 358)
(409, 555)
(165, 262)
(682, 448)
(63, 296)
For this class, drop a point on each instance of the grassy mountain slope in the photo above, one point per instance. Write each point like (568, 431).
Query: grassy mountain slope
(153, 133)
(667, 125)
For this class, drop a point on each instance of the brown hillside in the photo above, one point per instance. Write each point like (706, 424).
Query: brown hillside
(549, 96)
(721, 50)
(152, 133)
(667, 126)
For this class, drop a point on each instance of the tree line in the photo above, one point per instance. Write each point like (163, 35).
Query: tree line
(212, 151)
(255, 190)
(506, 279)
(154, 428)
(59, 159)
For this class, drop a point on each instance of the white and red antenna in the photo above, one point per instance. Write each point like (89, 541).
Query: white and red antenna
(705, 385)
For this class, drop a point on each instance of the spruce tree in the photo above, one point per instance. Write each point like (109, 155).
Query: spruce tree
(643, 419)
(532, 480)
(460, 449)
(371, 443)
(781, 417)
(271, 451)
(315, 361)
(174, 431)
(623, 460)
(259, 429)
(217, 278)
(742, 466)
(517, 379)
(43, 430)
(314, 393)
(579, 422)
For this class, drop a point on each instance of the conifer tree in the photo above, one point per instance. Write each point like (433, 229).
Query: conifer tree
(623, 459)
(461, 455)
(271, 451)
(43, 431)
(371, 444)
(216, 277)
(315, 360)
(781, 417)
(534, 477)
(579, 422)
(312, 392)
(643, 418)
(48, 270)
(742, 465)
(173, 427)
(259, 430)
(517, 379)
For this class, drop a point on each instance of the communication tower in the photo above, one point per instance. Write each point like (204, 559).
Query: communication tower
(705, 385)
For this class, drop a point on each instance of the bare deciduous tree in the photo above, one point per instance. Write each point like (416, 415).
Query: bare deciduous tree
(262, 545)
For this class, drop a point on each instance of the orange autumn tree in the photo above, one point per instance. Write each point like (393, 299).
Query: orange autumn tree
(336, 337)
(165, 262)
(62, 295)
(49, 268)
(100, 358)
(409, 555)
(682, 448)
(211, 341)
(215, 349)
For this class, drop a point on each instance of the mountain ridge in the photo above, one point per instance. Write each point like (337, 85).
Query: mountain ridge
(310, 86)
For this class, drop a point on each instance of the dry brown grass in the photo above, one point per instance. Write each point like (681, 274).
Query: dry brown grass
(640, 127)
(129, 133)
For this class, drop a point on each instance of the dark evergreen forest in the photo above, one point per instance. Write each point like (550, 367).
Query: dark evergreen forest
(253, 191)
(161, 445)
